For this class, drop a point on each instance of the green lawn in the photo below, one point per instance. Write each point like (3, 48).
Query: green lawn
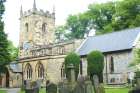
(116, 90)
(2, 91)
(107, 90)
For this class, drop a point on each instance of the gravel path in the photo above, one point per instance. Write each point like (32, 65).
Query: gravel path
(12, 90)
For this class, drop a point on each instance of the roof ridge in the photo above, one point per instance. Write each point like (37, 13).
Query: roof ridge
(117, 31)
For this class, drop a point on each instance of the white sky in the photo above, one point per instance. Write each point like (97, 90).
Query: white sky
(63, 9)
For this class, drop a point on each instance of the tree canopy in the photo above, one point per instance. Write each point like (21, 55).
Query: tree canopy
(72, 58)
(95, 61)
(5, 56)
(104, 18)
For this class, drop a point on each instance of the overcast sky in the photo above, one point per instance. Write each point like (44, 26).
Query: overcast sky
(63, 9)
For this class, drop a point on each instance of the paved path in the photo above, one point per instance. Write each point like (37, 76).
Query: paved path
(12, 90)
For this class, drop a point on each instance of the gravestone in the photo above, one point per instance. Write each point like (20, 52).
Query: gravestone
(88, 86)
(96, 83)
(73, 86)
(136, 88)
(51, 88)
(80, 86)
(99, 88)
(31, 87)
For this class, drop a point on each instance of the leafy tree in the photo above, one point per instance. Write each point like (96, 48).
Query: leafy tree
(95, 64)
(102, 15)
(60, 32)
(104, 18)
(79, 25)
(72, 58)
(127, 14)
(13, 51)
(4, 53)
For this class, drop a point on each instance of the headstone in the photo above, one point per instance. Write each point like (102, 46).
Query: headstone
(71, 70)
(96, 83)
(31, 87)
(51, 88)
(80, 86)
(88, 86)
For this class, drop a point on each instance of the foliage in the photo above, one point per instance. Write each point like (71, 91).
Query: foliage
(60, 33)
(13, 51)
(116, 90)
(72, 58)
(95, 63)
(137, 74)
(4, 53)
(104, 18)
(78, 25)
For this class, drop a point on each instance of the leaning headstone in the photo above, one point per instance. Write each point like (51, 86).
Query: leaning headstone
(51, 88)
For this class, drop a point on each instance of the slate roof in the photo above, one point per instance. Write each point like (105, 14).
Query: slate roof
(15, 67)
(115, 41)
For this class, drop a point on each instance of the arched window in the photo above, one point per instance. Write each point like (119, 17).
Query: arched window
(26, 27)
(62, 71)
(28, 71)
(44, 27)
(40, 70)
(81, 68)
(111, 64)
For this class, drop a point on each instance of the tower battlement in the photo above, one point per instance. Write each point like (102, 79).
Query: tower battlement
(38, 12)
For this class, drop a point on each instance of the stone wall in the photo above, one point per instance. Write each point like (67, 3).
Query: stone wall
(121, 63)
(52, 61)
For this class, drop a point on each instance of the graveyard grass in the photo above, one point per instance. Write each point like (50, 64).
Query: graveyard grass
(116, 90)
(2, 91)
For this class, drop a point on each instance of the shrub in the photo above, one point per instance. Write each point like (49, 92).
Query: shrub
(72, 58)
(95, 64)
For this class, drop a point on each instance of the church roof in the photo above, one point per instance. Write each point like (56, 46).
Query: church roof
(121, 40)
(15, 67)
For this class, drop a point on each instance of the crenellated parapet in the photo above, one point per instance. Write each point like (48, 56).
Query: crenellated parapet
(38, 12)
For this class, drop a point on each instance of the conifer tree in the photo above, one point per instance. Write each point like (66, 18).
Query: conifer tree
(4, 53)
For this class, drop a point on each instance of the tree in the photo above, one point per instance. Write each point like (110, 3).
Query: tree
(72, 58)
(60, 33)
(13, 51)
(78, 25)
(95, 64)
(104, 18)
(4, 53)
(127, 15)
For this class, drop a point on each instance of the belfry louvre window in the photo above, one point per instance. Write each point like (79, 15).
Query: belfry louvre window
(44, 25)
(40, 70)
(28, 71)
(26, 27)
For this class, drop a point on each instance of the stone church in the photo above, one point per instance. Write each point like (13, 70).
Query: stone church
(40, 58)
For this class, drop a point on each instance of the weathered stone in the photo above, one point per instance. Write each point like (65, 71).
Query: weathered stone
(51, 88)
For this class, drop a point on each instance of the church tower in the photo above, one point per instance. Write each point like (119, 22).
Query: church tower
(36, 29)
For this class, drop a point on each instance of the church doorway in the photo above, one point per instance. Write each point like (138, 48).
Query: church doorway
(7, 78)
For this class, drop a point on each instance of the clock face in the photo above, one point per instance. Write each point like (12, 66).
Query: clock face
(26, 45)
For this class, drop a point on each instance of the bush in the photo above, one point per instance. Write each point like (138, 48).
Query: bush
(72, 58)
(95, 64)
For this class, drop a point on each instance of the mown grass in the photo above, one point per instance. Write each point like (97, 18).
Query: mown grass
(116, 90)
(2, 91)
(42, 90)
